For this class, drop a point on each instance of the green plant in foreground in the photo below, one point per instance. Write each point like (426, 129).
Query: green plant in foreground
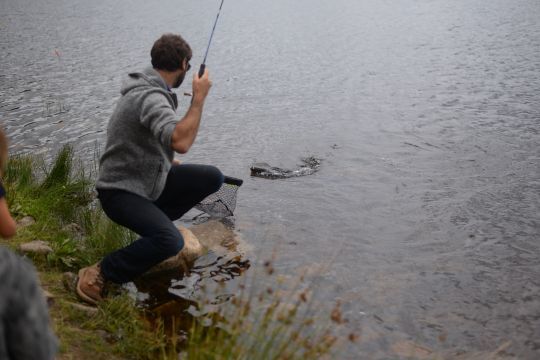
(60, 171)
(129, 334)
(102, 236)
(64, 254)
(20, 171)
(278, 322)
(56, 196)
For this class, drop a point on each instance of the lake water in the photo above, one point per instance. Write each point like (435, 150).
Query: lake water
(425, 113)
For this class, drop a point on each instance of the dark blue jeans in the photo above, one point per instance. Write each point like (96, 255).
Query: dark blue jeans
(186, 186)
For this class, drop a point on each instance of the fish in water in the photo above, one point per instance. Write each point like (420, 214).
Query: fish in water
(310, 165)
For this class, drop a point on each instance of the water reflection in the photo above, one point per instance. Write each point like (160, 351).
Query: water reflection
(170, 294)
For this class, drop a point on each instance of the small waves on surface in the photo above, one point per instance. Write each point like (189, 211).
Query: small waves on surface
(425, 113)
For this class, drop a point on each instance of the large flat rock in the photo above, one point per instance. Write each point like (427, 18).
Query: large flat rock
(198, 239)
(190, 252)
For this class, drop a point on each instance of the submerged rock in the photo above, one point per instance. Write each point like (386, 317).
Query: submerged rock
(410, 349)
(190, 252)
(212, 235)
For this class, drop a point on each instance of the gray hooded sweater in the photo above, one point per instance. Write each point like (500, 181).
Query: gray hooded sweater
(138, 153)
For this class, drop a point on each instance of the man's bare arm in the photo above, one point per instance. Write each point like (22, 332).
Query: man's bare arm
(186, 129)
(8, 227)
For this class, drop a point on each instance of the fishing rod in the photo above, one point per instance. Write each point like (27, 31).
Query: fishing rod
(203, 65)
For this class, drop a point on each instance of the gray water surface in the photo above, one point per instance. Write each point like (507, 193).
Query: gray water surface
(426, 114)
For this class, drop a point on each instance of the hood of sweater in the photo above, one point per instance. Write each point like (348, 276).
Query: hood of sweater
(149, 77)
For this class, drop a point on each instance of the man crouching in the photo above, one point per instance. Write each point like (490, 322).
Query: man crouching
(139, 186)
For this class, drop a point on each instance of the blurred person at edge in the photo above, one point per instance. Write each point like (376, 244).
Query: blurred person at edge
(25, 331)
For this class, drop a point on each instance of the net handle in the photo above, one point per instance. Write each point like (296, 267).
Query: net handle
(233, 181)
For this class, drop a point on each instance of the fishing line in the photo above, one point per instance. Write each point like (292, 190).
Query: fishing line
(203, 65)
(223, 202)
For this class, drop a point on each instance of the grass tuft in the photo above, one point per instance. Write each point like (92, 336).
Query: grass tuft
(102, 236)
(261, 322)
(60, 172)
(127, 332)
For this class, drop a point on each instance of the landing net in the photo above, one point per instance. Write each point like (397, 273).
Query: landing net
(223, 202)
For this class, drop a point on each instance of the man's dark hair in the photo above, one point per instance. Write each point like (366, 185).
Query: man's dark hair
(169, 52)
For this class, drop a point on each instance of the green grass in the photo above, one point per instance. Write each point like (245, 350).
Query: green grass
(281, 321)
(61, 197)
(278, 322)
(130, 334)
(54, 194)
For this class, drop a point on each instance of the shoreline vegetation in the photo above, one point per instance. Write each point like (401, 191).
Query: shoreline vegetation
(279, 322)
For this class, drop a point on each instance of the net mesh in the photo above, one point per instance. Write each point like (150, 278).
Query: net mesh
(223, 202)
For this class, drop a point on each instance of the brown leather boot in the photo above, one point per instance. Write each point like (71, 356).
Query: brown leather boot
(90, 284)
